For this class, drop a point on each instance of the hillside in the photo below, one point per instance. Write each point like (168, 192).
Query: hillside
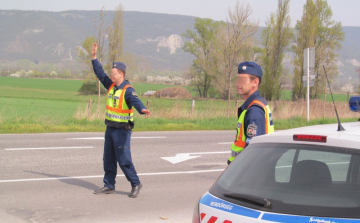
(52, 37)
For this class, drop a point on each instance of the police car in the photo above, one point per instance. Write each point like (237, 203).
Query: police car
(309, 174)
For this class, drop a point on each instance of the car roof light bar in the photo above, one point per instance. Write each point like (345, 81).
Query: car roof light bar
(309, 138)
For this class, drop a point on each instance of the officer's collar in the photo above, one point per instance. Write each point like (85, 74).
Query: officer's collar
(122, 85)
(249, 100)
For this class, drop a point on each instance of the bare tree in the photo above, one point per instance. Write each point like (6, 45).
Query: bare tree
(101, 36)
(234, 44)
(134, 63)
(116, 37)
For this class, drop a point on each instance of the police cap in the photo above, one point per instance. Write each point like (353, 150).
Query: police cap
(250, 68)
(119, 65)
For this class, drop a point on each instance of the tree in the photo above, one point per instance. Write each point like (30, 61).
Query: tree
(102, 31)
(116, 37)
(201, 46)
(234, 43)
(275, 38)
(90, 84)
(134, 63)
(199, 79)
(84, 56)
(316, 29)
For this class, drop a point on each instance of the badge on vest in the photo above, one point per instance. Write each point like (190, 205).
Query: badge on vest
(238, 125)
(251, 130)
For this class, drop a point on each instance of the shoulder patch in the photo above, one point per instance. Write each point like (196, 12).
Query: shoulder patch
(134, 93)
(251, 130)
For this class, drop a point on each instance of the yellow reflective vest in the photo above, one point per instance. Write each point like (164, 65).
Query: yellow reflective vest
(240, 139)
(116, 108)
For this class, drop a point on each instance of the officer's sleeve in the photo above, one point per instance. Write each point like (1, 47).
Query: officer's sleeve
(132, 99)
(254, 123)
(101, 75)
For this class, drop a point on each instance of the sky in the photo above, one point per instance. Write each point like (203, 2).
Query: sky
(344, 11)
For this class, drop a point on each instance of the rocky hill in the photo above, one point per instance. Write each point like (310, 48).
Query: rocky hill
(53, 37)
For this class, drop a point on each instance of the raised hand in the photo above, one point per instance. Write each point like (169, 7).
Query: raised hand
(94, 50)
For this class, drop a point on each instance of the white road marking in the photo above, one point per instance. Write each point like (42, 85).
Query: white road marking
(180, 157)
(225, 143)
(71, 147)
(101, 176)
(134, 137)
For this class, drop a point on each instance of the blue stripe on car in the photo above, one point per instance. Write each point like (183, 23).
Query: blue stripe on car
(222, 205)
(301, 219)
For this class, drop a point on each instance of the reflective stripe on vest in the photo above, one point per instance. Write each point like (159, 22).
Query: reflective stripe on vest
(116, 108)
(118, 116)
(240, 139)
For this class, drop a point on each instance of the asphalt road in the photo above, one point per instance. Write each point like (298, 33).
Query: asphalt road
(51, 177)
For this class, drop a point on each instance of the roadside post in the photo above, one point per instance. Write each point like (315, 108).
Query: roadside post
(309, 78)
(192, 107)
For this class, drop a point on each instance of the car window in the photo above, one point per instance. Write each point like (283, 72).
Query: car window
(297, 179)
(283, 166)
(338, 163)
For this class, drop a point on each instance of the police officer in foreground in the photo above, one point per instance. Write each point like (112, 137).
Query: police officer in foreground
(120, 103)
(254, 116)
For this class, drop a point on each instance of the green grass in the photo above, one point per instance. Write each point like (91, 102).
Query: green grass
(287, 95)
(281, 124)
(41, 84)
(143, 87)
(50, 105)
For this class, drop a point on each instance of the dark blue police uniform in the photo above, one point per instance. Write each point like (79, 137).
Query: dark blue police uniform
(117, 139)
(254, 117)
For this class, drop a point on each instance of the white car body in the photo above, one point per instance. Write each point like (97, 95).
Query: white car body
(214, 209)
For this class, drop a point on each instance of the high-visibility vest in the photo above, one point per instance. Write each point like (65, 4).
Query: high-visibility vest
(240, 139)
(116, 108)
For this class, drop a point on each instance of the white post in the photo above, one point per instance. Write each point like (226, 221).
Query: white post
(308, 84)
(192, 106)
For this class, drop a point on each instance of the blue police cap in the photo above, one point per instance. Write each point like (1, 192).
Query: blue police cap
(250, 68)
(119, 65)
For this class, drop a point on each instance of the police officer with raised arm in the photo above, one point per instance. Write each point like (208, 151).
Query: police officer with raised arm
(254, 116)
(120, 103)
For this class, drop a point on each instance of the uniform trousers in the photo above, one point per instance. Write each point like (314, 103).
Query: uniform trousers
(117, 150)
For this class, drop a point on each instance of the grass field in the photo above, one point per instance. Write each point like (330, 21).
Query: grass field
(337, 97)
(54, 105)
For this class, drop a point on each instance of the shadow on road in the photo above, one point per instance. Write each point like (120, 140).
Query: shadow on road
(74, 181)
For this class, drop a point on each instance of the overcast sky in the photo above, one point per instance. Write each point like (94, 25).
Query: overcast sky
(345, 11)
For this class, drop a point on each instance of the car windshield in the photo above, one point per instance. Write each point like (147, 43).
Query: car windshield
(296, 179)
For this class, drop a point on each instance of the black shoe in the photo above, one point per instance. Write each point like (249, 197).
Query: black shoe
(135, 191)
(104, 190)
